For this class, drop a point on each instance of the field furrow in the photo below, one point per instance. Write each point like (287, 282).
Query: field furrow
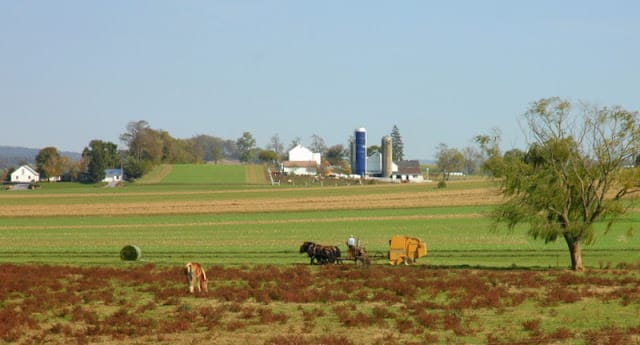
(483, 196)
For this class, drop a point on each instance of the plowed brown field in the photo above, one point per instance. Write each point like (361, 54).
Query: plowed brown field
(469, 197)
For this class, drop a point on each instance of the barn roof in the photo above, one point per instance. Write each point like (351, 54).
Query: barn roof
(29, 168)
(411, 167)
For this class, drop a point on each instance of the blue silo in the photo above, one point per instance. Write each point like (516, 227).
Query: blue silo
(361, 152)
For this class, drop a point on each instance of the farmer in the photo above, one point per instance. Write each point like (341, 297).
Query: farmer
(352, 243)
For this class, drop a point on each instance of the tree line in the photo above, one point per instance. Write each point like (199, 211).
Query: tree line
(146, 147)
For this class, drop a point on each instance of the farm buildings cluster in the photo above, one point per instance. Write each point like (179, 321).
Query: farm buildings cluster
(25, 174)
(377, 165)
(361, 163)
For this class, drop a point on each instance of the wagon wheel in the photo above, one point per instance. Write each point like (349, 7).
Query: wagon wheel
(362, 260)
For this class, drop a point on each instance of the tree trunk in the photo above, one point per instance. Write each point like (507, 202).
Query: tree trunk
(575, 251)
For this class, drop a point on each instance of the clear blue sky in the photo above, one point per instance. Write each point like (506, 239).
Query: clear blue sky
(442, 71)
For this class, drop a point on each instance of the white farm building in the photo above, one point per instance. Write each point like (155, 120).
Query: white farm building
(302, 161)
(113, 175)
(25, 174)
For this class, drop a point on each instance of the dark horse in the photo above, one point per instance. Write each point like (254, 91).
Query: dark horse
(320, 254)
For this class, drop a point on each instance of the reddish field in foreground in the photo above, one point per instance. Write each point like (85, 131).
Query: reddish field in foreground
(302, 305)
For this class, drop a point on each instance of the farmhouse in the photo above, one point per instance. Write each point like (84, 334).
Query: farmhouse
(302, 161)
(113, 175)
(408, 171)
(25, 174)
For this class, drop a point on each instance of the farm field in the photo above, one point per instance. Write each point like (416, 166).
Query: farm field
(62, 280)
(224, 222)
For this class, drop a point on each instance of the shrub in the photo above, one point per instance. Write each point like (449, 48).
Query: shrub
(532, 326)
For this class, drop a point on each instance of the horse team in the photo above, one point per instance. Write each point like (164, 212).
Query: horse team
(319, 254)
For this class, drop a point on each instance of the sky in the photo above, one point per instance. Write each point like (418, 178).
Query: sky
(441, 71)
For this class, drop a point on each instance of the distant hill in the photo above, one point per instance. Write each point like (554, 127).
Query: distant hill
(13, 156)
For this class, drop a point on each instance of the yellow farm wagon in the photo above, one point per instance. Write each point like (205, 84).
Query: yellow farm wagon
(406, 250)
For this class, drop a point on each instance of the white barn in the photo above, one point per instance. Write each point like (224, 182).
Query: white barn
(302, 161)
(301, 154)
(408, 171)
(25, 174)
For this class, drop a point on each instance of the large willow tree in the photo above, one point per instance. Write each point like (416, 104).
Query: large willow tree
(574, 173)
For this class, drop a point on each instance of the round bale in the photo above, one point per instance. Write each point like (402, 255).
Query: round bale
(130, 253)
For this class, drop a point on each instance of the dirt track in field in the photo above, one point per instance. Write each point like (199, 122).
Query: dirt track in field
(113, 207)
(284, 221)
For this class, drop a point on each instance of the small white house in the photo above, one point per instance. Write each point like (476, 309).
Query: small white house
(301, 161)
(302, 154)
(25, 174)
(113, 175)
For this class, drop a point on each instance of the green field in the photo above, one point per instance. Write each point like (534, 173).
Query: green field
(206, 174)
(458, 235)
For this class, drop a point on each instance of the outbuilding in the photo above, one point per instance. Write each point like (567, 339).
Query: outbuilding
(408, 171)
(25, 174)
(302, 161)
(113, 175)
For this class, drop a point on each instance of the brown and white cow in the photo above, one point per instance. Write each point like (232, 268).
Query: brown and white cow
(196, 277)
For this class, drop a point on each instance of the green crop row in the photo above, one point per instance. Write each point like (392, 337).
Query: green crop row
(246, 238)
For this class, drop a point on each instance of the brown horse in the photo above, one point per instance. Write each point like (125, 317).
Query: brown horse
(196, 277)
(320, 254)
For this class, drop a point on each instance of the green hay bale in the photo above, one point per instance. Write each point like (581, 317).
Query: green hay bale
(130, 253)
